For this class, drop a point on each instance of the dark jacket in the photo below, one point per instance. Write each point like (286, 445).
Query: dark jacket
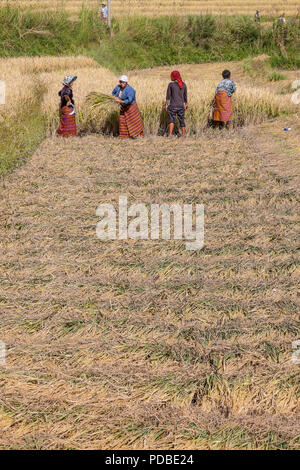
(66, 91)
(176, 95)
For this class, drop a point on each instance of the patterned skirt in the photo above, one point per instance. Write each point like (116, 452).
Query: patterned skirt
(130, 121)
(223, 107)
(67, 126)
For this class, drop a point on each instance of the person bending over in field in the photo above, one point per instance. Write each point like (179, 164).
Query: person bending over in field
(176, 102)
(130, 121)
(67, 126)
(223, 101)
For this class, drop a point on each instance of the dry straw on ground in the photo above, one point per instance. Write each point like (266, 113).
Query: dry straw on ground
(144, 345)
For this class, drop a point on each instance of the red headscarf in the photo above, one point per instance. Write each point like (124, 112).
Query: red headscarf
(175, 76)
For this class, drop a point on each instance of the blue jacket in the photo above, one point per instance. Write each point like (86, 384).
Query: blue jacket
(128, 94)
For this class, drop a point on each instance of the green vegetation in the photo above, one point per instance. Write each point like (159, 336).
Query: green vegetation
(261, 66)
(20, 135)
(140, 42)
(49, 33)
(276, 76)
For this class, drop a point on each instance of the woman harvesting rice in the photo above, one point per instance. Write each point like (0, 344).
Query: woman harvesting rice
(130, 122)
(223, 100)
(176, 101)
(67, 126)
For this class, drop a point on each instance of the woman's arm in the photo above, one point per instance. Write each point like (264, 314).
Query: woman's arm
(128, 96)
(116, 90)
(67, 99)
(185, 97)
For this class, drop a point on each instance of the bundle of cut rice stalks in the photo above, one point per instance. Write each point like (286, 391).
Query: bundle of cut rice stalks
(103, 113)
(100, 100)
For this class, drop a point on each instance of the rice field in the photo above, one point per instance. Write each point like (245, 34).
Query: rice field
(254, 102)
(167, 7)
(144, 345)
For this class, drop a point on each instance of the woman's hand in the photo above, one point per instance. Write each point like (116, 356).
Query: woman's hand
(117, 100)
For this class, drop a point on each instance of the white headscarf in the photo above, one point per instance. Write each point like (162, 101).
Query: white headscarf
(123, 78)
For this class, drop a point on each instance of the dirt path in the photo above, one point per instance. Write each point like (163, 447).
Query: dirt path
(144, 344)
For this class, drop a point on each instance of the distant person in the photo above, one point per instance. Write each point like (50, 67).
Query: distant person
(130, 121)
(223, 101)
(67, 126)
(282, 18)
(257, 16)
(176, 102)
(103, 12)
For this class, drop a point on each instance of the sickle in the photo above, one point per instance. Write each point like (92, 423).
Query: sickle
(73, 112)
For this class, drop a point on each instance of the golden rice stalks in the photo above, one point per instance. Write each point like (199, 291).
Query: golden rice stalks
(26, 76)
(163, 7)
(100, 100)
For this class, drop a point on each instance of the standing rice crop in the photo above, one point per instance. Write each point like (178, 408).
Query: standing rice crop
(26, 76)
(164, 7)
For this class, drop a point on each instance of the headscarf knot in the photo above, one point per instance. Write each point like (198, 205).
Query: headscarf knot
(175, 76)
